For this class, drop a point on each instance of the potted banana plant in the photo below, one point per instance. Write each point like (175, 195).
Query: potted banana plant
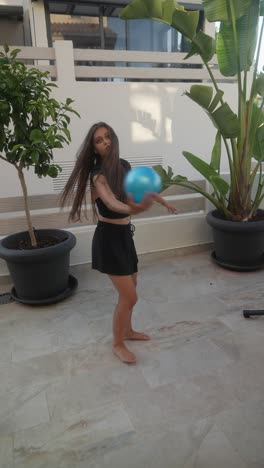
(32, 124)
(237, 220)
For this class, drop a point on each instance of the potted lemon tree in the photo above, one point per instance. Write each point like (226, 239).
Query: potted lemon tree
(32, 124)
(237, 221)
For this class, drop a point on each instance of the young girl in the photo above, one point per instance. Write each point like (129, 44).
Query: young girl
(113, 249)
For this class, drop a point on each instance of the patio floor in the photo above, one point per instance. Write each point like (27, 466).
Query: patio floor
(195, 399)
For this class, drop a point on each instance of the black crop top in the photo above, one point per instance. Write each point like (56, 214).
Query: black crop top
(102, 208)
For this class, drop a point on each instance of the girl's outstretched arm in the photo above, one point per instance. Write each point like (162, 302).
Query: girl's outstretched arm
(171, 208)
(107, 196)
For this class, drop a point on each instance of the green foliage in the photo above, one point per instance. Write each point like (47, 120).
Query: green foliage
(219, 10)
(202, 45)
(236, 52)
(216, 153)
(32, 122)
(167, 178)
(242, 131)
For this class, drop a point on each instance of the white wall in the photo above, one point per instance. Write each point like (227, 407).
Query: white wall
(151, 119)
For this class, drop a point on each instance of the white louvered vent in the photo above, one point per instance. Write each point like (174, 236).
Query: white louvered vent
(146, 161)
(67, 167)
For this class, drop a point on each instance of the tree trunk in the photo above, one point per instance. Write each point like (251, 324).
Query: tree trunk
(25, 195)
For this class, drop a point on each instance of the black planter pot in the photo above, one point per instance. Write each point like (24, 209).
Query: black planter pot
(40, 276)
(238, 245)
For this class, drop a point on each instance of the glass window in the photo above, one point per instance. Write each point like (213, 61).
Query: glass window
(92, 26)
(114, 33)
(154, 36)
(149, 36)
(83, 31)
(11, 31)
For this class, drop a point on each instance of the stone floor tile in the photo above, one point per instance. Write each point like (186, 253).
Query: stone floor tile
(197, 358)
(73, 439)
(193, 400)
(95, 387)
(244, 428)
(6, 452)
(215, 451)
(14, 401)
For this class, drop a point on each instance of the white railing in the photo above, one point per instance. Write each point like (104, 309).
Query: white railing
(106, 64)
(42, 56)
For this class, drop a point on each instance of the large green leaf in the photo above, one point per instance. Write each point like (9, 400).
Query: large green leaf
(225, 51)
(226, 121)
(216, 100)
(220, 185)
(256, 120)
(260, 84)
(178, 179)
(207, 171)
(202, 45)
(167, 11)
(166, 177)
(261, 8)
(258, 148)
(135, 10)
(216, 153)
(201, 94)
(160, 170)
(218, 10)
(186, 22)
(154, 8)
(247, 29)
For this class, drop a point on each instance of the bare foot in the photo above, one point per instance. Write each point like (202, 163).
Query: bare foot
(124, 354)
(133, 335)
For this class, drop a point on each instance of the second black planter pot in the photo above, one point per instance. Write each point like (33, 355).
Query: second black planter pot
(40, 276)
(238, 245)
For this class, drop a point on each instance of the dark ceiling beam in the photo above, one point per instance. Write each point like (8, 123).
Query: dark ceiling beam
(118, 3)
(92, 2)
(70, 8)
(109, 10)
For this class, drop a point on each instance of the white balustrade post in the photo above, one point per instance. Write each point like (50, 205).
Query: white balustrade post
(64, 62)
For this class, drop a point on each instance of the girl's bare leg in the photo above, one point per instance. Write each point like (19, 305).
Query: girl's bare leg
(131, 334)
(127, 298)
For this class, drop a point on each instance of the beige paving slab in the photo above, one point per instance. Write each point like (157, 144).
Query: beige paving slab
(94, 388)
(78, 438)
(32, 413)
(171, 448)
(168, 366)
(216, 451)
(21, 408)
(244, 428)
(196, 391)
(6, 452)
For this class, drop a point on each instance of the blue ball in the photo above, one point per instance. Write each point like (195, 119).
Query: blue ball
(140, 180)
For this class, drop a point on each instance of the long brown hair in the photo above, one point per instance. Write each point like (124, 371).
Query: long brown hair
(75, 190)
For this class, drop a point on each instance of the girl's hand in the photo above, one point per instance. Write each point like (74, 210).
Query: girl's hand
(144, 205)
(171, 208)
(163, 202)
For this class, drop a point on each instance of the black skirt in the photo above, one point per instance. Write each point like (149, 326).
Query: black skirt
(113, 249)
